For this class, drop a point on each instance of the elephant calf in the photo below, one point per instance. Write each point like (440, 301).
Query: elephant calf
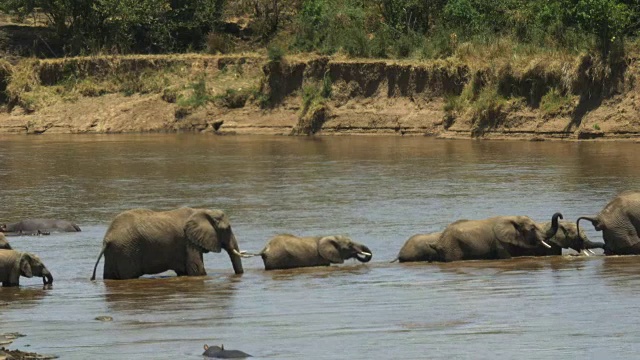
(143, 241)
(39, 226)
(419, 248)
(287, 251)
(14, 264)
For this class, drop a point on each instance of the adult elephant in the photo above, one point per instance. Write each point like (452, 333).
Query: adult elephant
(567, 237)
(4, 244)
(143, 241)
(490, 238)
(14, 264)
(419, 247)
(619, 222)
(286, 251)
(39, 226)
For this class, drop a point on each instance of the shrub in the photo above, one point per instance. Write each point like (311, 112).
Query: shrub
(275, 53)
(199, 95)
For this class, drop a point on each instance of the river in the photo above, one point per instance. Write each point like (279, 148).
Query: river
(377, 190)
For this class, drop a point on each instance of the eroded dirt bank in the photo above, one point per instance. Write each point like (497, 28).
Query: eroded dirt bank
(575, 98)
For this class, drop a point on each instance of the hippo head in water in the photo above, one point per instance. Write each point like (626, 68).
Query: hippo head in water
(219, 352)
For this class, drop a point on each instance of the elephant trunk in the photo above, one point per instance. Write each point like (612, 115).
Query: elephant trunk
(553, 230)
(234, 254)
(364, 254)
(554, 226)
(585, 243)
(588, 244)
(47, 278)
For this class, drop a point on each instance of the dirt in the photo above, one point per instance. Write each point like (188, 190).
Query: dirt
(367, 98)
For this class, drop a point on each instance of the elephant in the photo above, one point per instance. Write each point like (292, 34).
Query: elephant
(419, 248)
(143, 241)
(220, 353)
(14, 264)
(39, 226)
(4, 244)
(490, 238)
(566, 237)
(619, 222)
(286, 251)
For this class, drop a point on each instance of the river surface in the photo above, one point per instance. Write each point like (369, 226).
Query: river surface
(377, 190)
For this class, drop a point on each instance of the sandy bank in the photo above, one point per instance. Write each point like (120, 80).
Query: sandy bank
(571, 99)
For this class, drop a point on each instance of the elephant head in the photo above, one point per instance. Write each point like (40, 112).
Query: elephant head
(4, 244)
(568, 237)
(338, 248)
(30, 265)
(619, 222)
(210, 230)
(523, 231)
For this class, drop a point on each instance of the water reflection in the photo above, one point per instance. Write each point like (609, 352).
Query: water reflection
(22, 297)
(170, 294)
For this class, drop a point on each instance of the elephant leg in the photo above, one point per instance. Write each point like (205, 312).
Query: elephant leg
(501, 253)
(194, 263)
(119, 265)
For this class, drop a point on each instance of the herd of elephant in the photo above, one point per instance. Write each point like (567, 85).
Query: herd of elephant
(143, 242)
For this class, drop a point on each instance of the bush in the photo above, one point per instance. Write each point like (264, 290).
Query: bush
(219, 43)
(275, 53)
(199, 95)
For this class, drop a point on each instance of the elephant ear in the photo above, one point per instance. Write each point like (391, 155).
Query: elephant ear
(25, 265)
(202, 229)
(328, 248)
(510, 232)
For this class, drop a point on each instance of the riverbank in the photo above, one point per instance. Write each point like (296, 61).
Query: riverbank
(6, 354)
(534, 98)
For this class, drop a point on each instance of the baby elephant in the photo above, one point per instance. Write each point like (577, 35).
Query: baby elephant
(14, 264)
(287, 251)
(220, 353)
(418, 248)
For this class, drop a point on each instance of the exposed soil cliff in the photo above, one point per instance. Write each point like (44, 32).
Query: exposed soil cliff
(572, 99)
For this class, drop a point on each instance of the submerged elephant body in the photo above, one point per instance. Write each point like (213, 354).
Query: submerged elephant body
(619, 222)
(142, 241)
(39, 226)
(491, 238)
(419, 248)
(287, 251)
(14, 264)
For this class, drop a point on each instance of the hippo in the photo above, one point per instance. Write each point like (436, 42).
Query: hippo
(220, 353)
(39, 226)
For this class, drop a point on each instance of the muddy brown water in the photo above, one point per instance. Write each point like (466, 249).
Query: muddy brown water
(378, 190)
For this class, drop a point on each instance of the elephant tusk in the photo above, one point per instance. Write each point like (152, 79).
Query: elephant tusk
(584, 252)
(243, 254)
(546, 245)
(364, 253)
(590, 251)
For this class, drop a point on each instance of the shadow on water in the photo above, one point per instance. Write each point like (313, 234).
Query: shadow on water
(317, 272)
(621, 272)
